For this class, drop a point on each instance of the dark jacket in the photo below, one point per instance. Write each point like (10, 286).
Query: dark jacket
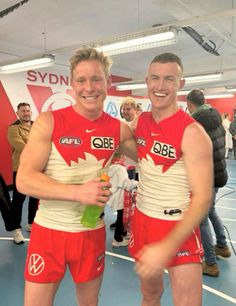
(232, 127)
(211, 120)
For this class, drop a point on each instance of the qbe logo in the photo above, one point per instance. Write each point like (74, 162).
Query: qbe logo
(98, 143)
(163, 149)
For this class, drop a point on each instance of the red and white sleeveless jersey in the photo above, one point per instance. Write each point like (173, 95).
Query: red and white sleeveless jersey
(81, 148)
(163, 183)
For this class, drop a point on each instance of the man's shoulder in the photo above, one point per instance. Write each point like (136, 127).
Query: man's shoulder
(210, 119)
(15, 123)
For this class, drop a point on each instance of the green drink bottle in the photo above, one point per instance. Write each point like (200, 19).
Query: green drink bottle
(92, 213)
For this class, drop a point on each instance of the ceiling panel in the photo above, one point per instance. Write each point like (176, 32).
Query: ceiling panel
(39, 26)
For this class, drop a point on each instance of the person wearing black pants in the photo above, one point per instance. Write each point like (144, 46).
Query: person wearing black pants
(18, 133)
(234, 146)
(120, 182)
(17, 206)
(120, 232)
(5, 205)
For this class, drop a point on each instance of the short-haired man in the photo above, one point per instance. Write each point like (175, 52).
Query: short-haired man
(211, 120)
(66, 151)
(174, 151)
(18, 134)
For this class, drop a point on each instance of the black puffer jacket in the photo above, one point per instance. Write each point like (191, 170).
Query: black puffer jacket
(211, 120)
(232, 127)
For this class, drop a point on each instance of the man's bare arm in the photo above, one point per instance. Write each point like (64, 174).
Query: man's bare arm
(198, 159)
(128, 143)
(32, 181)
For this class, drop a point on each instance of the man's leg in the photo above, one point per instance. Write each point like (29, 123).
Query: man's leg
(17, 204)
(226, 152)
(87, 292)
(119, 234)
(119, 231)
(221, 247)
(217, 223)
(16, 212)
(152, 290)
(234, 147)
(32, 208)
(37, 294)
(186, 283)
(5, 205)
(207, 241)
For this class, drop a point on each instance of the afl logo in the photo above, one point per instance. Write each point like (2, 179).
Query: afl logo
(36, 264)
(70, 141)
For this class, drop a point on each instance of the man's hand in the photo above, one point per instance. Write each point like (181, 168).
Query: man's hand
(153, 259)
(93, 192)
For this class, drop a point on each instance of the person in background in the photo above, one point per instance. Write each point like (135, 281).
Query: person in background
(232, 130)
(18, 134)
(120, 182)
(128, 109)
(174, 151)
(66, 151)
(228, 137)
(128, 113)
(5, 205)
(211, 121)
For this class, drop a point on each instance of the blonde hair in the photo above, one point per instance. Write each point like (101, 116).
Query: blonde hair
(90, 54)
(129, 101)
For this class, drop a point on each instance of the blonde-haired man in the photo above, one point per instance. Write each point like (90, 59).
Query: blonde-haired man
(128, 109)
(67, 148)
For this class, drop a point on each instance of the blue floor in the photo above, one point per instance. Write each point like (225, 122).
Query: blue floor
(120, 285)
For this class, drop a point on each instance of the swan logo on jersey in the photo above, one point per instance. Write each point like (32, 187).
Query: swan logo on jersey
(70, 141)
(106, 143)
(163, 149)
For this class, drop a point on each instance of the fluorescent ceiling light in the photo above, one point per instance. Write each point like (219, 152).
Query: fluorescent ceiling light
(188, 80)
(219, 96)
(130, 86)
(27, 63)
(150, 38)
(182, 92)
(203, 78)
(231, 89)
